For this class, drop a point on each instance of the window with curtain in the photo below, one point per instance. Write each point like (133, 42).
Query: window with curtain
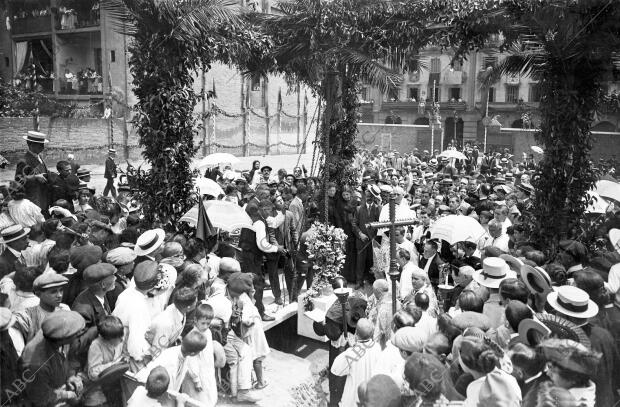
(512, 93)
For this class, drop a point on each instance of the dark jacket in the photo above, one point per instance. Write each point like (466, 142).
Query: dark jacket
(361, 218)
(36, 191)
(88, 306)
(110, 168)
(433, 269)
(7, 262)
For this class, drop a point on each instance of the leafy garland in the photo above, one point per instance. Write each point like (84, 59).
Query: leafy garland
(325, 247)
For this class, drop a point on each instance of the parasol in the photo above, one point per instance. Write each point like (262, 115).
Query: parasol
(608, 189)
(457, 155)
(222, 214)
(206, 186)
(216, 159)
(457, 228)
(537, 150)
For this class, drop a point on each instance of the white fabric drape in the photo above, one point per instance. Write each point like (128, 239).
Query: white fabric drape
(21, 51)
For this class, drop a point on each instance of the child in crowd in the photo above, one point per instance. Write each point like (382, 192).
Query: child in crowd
(154, 393)
(104, 352)
(254, 336)
(201, 383)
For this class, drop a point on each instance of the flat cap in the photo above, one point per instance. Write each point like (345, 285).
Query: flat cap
(97, 272)
(62, 325)
(240, 282)
(120, 256)
(49, 280)
(83, 256)
(145, 274)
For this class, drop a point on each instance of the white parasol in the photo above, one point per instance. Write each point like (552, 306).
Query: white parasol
(457, 228)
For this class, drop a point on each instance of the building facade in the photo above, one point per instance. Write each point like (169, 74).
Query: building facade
(462, 100)
(72, 52)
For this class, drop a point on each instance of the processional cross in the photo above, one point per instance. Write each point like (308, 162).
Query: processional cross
(392, 224)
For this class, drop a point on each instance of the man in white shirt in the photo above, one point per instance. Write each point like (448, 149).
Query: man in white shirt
(403, 243)
(501, 215)
(498, 238)
(167, 327)
(408, 267)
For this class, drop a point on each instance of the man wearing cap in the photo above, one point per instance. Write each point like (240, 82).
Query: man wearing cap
(16, 240)
(122, 258)
(367, 212)
(32, 172)
(50, 380)
(92, 304)
(49, 288)
(110, 173)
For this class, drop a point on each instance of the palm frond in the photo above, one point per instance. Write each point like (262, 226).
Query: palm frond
(369, 70)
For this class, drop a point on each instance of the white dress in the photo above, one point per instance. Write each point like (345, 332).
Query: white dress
(255, 337)
(201, 370)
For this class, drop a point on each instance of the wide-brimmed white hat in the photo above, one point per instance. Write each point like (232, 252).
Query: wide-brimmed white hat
(536, 279)
(514, 263)
(494, 271)
(614, 238)
(13, 233)
(149, 241)
(528, 327)
(573, 302)
(36, 137)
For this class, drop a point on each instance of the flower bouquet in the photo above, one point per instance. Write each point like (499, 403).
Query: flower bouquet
(325, 248)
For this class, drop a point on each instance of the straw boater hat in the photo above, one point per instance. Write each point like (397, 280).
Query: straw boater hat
(573, 302)
(13, 233)
(536, 279)
(494, 270)
(514, 263)
(35, 137)
(149, 241)
(614, 238)
(375, 191)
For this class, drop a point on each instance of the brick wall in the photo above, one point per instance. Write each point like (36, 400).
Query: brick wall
(87, 139)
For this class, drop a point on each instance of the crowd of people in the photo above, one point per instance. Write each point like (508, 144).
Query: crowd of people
(93, 296)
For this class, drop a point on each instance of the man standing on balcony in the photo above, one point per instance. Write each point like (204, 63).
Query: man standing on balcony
(31, 171)
(110, 173)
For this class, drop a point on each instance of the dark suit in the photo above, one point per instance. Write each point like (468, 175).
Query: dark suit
(433, 269)
(364, 215)
(36, 191)
(63, 188)
(89, 307)
(109, 174)
(7, 262)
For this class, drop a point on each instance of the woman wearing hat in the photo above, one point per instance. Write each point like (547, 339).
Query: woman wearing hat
(571, 366)
(491, 385)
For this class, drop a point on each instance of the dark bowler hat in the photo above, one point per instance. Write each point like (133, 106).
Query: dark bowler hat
(266, 167)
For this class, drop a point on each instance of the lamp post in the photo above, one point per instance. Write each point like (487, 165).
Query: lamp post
(455, 114)
(434, 118)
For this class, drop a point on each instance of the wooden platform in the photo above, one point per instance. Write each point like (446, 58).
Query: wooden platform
(280, 312)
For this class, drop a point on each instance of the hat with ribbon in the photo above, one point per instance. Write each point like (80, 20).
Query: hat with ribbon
(13, 233)
(536, 279)
(35, 137)
(149, 241)
(494, 270)
(573, 302)
(374, 191)
(532, 331)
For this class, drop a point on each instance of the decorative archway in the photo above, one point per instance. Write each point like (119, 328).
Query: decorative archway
(453, 133)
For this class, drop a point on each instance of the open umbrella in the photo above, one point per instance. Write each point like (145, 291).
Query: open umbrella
(222, 214)
(457, 155)
(608, 189)
(537, 150)
(215, 159)
(207, 186)
(457, 228)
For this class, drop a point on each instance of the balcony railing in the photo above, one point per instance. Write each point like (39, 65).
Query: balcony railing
(30, 24)
(458, 106)
(82, 86)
